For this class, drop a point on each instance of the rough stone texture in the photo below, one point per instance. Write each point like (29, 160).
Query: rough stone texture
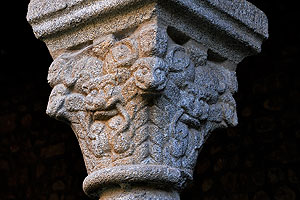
(141, 100)
(63, 24)
(143, 96)
(268, 130)
(40, 11)
(136, 193)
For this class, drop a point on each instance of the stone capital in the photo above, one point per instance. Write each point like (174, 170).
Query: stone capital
(144, 83)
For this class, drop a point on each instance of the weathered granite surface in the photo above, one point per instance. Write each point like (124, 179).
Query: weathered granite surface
(55, 21)
(39, 10)
(143, 83)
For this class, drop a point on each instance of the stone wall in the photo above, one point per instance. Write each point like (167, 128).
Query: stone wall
(259, 159)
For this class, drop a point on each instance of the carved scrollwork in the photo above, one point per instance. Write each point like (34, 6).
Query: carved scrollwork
(142, 99)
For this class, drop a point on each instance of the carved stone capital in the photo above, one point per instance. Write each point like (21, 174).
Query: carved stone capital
(144, 83)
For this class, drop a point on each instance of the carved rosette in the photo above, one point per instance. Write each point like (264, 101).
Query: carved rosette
(141, 105)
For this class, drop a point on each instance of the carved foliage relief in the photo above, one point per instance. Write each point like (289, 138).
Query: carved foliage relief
(141, 98)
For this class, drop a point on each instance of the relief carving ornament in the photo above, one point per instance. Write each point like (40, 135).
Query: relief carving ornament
(140, 100)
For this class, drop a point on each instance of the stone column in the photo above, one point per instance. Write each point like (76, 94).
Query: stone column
(143, 83)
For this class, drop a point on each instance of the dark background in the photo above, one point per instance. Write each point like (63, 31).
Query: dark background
(257, 160)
